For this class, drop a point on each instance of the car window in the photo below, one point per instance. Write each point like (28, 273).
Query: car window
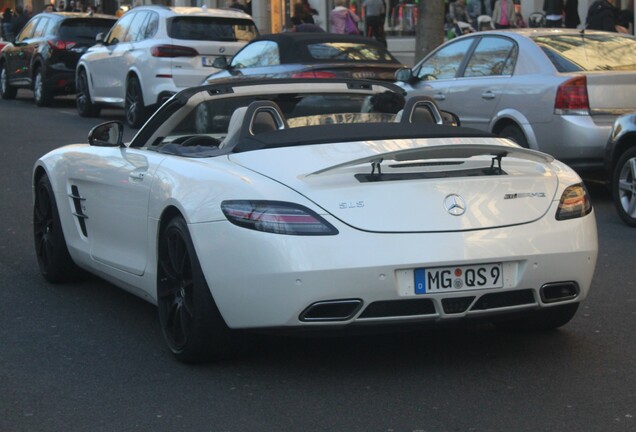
(84, 28)
(137, 27)
(40, 28)
(492, 56)
(348, 52)
(27, 31)
(589, 52)
(151, 25)
(118, 32)
(211, 29)
(444, 63)
(262, 53)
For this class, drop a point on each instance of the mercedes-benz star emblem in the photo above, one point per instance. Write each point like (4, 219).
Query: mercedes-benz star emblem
(455, 204)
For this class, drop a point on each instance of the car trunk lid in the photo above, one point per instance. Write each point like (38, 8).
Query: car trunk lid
(417, 185)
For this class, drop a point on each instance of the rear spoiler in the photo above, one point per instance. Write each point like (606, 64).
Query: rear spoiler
(448, 151)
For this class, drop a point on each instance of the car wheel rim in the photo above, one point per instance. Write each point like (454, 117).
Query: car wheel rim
(132, 103)
(175, 289)
(627, 187)
(43, 226)
(81, 92)
(37, 90)
(3, 80)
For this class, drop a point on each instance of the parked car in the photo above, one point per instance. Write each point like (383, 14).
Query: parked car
(620, 164)
(310, 55)
(298, 208)
(44, 54)
(554, 90)
(152, 52)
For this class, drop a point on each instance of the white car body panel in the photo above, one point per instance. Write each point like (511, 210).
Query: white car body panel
(261, 279)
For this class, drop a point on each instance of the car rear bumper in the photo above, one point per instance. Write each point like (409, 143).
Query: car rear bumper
(577, 140)
(266, 280)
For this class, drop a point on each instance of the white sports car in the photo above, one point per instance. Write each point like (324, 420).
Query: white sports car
(269, 204)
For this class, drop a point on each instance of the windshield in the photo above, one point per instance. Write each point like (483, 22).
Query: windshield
(589, 52)
(85, 28)
(212, 29)
(348, 52)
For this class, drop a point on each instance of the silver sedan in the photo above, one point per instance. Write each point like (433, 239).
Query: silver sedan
(554, 90)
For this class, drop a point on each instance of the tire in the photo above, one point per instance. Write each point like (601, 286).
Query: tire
(134, 105)
(56, 265)
(191, 323)
(7, 91)
(43, 96)
(85, 107)
(624, 186)
(515, 134)
(541, 320)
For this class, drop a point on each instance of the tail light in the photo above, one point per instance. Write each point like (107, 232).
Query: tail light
(61, 45)
(276, 217)
(317, 74)
(173, 51)
(575, 202)
(571, 97)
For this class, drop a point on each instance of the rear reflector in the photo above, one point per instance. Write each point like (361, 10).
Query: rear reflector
(173, 51)
(571, 97)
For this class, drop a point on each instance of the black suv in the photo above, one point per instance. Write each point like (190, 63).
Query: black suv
(44, 54)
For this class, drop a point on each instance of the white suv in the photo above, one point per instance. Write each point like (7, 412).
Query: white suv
(153, 52)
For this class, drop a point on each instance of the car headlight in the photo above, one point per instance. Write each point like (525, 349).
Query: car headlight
(276, 217)
(575, 202)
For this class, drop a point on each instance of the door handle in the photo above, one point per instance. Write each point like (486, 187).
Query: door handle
(488, 95)
(137, 175)
(439, 97)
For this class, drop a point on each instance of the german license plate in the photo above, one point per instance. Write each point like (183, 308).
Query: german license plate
(207, 61)
(458, 278)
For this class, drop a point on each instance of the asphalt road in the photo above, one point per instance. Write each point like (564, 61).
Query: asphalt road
(89, 357)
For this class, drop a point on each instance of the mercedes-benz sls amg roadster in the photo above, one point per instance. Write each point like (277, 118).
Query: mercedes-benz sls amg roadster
(314, 204)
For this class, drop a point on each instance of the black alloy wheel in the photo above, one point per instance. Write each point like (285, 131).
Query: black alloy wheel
(190, 320)
(134, 105)
(85, 108)
(54, 260)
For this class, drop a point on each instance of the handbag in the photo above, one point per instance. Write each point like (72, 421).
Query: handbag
(351, 27)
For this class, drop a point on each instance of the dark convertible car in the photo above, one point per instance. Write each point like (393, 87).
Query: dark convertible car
(310, 55)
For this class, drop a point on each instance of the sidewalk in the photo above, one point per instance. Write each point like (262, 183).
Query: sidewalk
(403, 48)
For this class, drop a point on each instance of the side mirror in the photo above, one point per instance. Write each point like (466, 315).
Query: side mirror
(404, 75)
(220, 63)
(99, 38)
(109, 134)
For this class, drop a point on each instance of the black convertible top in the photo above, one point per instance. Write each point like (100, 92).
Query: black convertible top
(293, 46)
(353, 132)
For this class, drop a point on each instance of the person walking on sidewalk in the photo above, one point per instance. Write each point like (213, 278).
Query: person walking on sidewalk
(503, 14)
(374, 12)
(338, 19)
(553, 10)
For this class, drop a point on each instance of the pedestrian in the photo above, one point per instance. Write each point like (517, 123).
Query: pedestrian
(342, 20)
(7, 17)
(300, 27)
(19, 20)
(602, 15)
(301, 12)
(503, 14)
(553, 10)
(373, 12)
(459, 12)
(477, 8)
(236, 4)
(572, 19)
